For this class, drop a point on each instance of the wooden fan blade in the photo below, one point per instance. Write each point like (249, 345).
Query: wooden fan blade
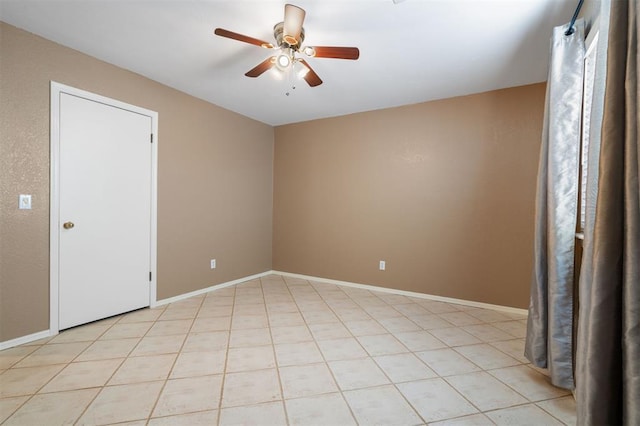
(240, 37)
(310, 77)
(336, 52)
(261, 67)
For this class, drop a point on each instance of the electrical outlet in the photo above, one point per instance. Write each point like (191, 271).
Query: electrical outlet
(25, 202)
(213, 264)
(383, 265)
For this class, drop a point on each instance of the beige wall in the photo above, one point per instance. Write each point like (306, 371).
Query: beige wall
(215, 179)
(442, 191)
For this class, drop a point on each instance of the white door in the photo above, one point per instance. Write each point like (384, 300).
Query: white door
(105, 186)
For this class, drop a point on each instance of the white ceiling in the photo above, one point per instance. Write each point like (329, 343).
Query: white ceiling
(410, 52)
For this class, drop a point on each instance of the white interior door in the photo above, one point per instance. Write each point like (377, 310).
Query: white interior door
(105, 201)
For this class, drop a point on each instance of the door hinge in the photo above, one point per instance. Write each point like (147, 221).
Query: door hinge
(151, 137)
(149, 275)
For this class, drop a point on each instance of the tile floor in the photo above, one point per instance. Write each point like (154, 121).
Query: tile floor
(279, 351)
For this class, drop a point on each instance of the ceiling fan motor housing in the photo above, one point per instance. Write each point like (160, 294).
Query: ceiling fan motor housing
(278, 34)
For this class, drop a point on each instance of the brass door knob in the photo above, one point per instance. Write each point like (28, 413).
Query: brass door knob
(68, 225)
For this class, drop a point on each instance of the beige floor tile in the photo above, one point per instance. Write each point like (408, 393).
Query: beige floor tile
(167, 328)
(434, 400)
(365, 328)
(214, 311)
(369, 301)
(202, 324)
(447, 362)
(486, 357)
(352, 314)
(125, 331)
(513, 348)
(404, 368)
(115, 404)
(251, 387)
(202, 418)
(307, 380)
(251, 337)
(206, 341)
(319, 410)
(159, 345)
(108, 349)
(529, 383)
(250, 358)
(267, 414)
(357, 374)
(142, 315)
(285, 319)
(487, 315)
(26, 381)
(454, 336)
(563, 409)
(382, 344)
(515, 328)
(291, 334)
(439, 307)
(194, 364)
(472, 420)
(57, 408)
(250, 309)
(411, 309)
(430, 321)
(281, 304)
(339, 349)
(525, 415)
(9, 357)
(395, 299)
(297, 354)
(143, 369)
(319, 316)
(243, 322)
(460, 318)
(399, 324)
(329, 331)
(419, 340)
(9, 405)
(189, 395)
(49, 354)
(382, 406)
(475, 387)
(178, 314)
(487, 332)
(382, 312)
(84, 333)
(82, 375)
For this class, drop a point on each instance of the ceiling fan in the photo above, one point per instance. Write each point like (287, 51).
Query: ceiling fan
(289, 36)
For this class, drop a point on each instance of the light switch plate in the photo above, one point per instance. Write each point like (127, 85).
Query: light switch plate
(25, 202)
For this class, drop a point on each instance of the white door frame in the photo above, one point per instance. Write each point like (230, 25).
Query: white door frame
(54, 207)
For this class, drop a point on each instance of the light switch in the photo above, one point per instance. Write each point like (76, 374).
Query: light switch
(25, 202)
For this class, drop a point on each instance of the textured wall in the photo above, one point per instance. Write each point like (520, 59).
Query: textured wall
(215, 179)
(442, 191)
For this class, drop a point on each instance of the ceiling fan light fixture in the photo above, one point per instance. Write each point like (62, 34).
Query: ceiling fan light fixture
(309, 51)
(293, 19)
(283, 61)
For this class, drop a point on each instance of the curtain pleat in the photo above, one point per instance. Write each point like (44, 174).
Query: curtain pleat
(608, 343)
(550, 323)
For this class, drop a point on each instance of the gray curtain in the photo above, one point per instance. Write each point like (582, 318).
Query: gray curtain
(549, 329)
(608, 343)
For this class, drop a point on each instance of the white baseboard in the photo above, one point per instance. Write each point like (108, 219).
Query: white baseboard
(208, 289)
(508, 309)
(25, 339)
